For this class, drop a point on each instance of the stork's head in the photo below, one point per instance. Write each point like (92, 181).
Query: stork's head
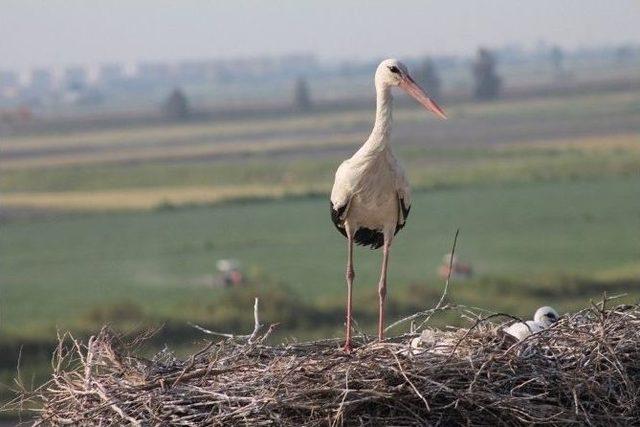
(546, 316)
(392, 72)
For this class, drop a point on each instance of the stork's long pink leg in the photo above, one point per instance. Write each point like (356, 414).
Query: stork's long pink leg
(382, 288)
(350, 275)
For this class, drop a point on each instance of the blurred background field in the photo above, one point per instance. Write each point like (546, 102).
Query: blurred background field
(118, 202)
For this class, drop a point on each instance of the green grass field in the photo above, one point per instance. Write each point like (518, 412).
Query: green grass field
(531, 211)
(57, 270)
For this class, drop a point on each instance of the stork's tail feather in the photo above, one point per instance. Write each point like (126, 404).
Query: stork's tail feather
(368, 237)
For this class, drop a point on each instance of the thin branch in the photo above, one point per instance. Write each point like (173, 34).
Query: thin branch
(445, 293)
(210, 332)
(250, 337)
(439, 306)
(256, 321)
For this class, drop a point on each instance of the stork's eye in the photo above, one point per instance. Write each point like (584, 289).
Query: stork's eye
(394, 69)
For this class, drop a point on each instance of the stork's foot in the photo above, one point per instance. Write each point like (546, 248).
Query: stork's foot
(347, 348)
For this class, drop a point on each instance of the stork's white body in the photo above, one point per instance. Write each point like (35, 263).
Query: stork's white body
(522, 330)
(371, 184)
(371, 197)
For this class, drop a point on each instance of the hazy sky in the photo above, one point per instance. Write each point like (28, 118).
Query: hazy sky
(58, 32)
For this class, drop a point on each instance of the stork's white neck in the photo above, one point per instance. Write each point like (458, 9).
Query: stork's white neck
(382, 128)
(384, 104)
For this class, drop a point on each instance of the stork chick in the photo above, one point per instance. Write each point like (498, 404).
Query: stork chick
(542, 319)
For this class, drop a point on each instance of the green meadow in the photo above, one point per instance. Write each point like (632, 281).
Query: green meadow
(57, 271)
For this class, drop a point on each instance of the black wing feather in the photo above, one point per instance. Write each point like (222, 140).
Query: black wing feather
(405, 214)
(336, 217)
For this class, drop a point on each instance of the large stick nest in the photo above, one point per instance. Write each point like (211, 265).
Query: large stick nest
(584, 369)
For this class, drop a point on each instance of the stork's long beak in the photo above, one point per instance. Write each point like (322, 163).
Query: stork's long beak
(412, 88)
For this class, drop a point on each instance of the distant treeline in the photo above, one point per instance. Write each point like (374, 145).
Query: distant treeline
(275, 110)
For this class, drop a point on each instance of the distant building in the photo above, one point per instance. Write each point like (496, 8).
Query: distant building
(8, 79)
(74, 78)
(40, 80)
(264, 68)
(109, 74)
(193, 72)
(154, 72)
(297, 64)
(9, 84)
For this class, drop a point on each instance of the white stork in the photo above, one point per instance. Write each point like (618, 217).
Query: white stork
(371, 198)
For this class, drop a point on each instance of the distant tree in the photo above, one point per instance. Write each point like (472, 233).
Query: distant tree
(487, 82)
(176, 106)
(557, 59)
(301, 95)
(430, 80)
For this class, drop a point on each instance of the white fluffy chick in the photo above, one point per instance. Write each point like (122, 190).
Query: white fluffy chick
(543, 318)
